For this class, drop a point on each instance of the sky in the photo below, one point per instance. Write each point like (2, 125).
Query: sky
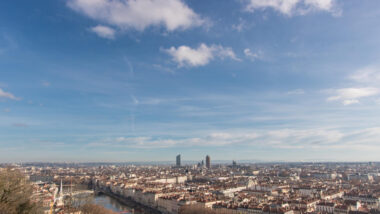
(145, 80)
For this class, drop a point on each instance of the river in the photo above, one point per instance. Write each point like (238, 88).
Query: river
(112, 204)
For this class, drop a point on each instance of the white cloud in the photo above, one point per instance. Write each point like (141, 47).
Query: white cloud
(239, 27)
(252, 56)
(367, 75)
(225, 52)
(367, 78)
(288, 138)
(368, 136)
(187, 56)
(7, 95)
(139, 14)
(295, 7)
(104, 31)
(352, 95)
(349, 102)
(242, 25)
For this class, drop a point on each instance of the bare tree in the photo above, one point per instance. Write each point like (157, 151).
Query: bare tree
(15, 193)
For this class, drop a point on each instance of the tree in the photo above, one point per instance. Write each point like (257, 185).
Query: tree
(16, 197)
(15, 193)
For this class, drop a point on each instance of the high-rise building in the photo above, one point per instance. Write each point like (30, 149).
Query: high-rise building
(208, 162)
(178, 160)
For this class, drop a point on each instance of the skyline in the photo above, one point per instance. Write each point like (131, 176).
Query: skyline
(125, 81)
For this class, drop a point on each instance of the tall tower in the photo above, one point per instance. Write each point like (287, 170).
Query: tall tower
(60, 201)
(208, 162)
(178, 160)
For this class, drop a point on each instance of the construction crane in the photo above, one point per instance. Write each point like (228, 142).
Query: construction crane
(51, 207)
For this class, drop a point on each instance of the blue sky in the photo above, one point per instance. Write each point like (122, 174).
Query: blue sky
(143, 80)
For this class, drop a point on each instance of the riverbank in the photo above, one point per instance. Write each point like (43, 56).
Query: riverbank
(135, 207)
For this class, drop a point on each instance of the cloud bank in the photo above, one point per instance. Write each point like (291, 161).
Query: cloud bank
(279, 138)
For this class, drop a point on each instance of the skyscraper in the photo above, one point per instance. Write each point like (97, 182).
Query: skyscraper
(178, 160)
(208, 162)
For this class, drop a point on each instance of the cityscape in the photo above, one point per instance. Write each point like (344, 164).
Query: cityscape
(190, 107)
(204, 187)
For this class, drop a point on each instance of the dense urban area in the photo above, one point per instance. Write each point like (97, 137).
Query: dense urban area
(260, 188)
